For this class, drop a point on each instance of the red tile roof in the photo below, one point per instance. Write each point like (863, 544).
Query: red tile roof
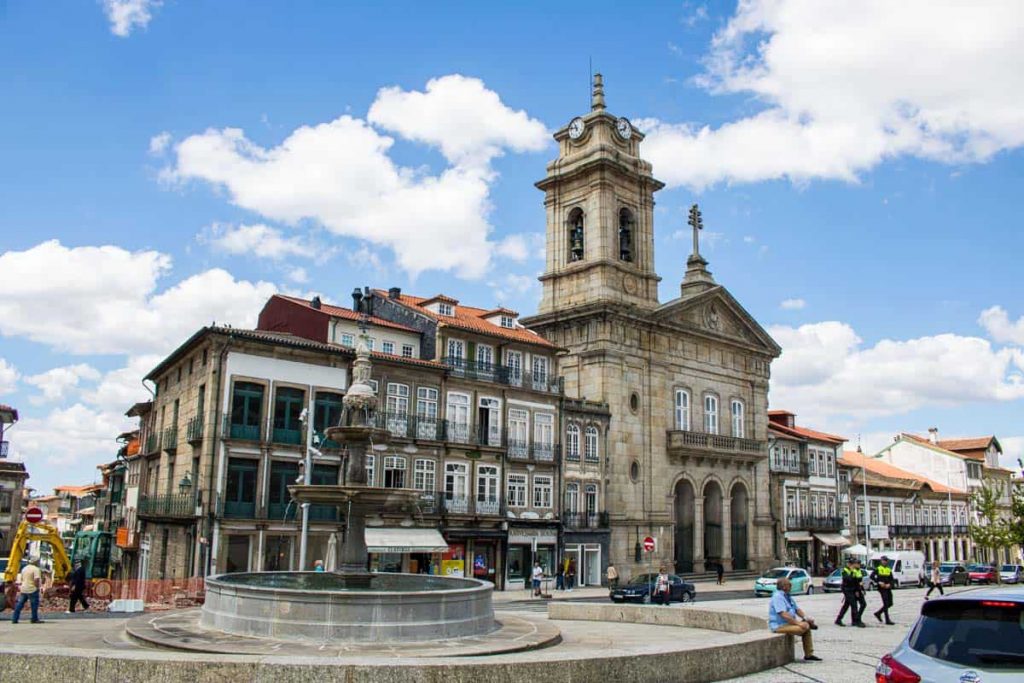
(78, 490)
(902, 478)
(346, 313)
(943, 445)
(469, 318)
(805, 433)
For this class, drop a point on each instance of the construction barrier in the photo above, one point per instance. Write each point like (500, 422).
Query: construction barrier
(156, 594)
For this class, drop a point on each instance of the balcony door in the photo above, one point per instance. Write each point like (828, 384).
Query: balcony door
(246, 410)
(458, 417)
(489, 421)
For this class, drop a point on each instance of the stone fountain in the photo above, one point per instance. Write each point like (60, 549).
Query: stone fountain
(351, 604)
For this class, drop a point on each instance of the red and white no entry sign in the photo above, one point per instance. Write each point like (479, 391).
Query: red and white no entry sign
(649, 544)
(34, 515)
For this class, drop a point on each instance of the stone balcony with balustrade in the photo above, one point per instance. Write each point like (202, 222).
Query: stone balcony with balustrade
(686, 444)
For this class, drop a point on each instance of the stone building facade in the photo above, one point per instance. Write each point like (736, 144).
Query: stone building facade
(12, 482)
(685, 381)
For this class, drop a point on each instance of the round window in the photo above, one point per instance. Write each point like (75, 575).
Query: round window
(634, 471)
(634, 401)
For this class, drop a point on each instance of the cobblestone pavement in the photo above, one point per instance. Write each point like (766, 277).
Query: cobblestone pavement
(850, 654)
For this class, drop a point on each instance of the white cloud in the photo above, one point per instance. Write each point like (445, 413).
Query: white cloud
(65, 438)
(159, 143)
(1013, 448)
(340, 173)
(56, 384)
(825, 371)
(521, 247)
(298, 275)
(9, 377)
(845, 86)
(258, 240)
(511, 287)
(996, 323)
(127, 15)
(793, 304)
(105, 299)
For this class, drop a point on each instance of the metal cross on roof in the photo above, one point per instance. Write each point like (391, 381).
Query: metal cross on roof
(697, 223)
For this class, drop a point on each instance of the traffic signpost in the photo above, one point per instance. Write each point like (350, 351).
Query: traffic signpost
(649, 545)
(649, 548)
(34, 515)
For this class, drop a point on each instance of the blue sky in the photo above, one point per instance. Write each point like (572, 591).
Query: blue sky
(859, 179)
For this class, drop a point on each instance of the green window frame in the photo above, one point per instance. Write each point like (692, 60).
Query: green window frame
(327, 408)
(246, 411)
(240, 493)
(288, 405)
(282, 475)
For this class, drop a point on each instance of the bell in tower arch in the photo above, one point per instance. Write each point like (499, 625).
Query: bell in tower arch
(625, 235)
(576, 247)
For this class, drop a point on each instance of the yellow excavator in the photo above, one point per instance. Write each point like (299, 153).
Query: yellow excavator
(36, 532)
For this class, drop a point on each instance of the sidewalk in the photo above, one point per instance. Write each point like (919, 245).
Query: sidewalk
(601, 592)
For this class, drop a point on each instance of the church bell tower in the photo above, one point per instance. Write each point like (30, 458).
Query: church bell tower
(599, 197)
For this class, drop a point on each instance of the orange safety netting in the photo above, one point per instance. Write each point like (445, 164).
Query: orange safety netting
(156, 594)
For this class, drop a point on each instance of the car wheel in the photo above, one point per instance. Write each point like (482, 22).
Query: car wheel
(685, 598)
(895, 584)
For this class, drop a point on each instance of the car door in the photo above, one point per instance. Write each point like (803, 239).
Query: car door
(676, 584)
(959, 575)
(796, 578)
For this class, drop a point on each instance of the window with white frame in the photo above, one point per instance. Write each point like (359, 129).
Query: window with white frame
(830, 462)
(737, 418)
(514, 361)
(445, 308)
(484, 355)
(388, 347)
(407, 350)
(572, 498)
(516, 490)
(812, 462)
(424, 474)
(348, 340)
(458, 417)
(398, 398)
(683, 410)
(590, 444)
(541, 491)
(540, 370)
(572, 441)
(456, 481)
(487, 482)
(507, 321)
(544, 432)
(711, 414)
(370, 462)
(518, 432)
(394, 472)
(590, 499)
(370, 342)
(456, 349)
(426, 402)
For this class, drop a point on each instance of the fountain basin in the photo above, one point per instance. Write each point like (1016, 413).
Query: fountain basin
(327, 607)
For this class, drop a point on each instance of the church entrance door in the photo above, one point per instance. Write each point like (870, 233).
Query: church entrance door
(738, 510)
(712, 522)
(684, 503)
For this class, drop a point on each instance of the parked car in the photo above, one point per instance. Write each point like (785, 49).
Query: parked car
(952, 574)
(801, 580)
(1011, 573)
(981, 573)
(639, 589)
(970, 636)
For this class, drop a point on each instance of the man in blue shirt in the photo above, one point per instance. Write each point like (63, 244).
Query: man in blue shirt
(785, 617)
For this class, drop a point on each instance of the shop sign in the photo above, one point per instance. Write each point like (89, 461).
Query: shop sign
(878, 532)
(527, 535)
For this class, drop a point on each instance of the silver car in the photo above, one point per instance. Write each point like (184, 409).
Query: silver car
(1011, 573)
(972, 636)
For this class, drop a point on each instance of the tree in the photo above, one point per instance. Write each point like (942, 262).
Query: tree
(1015, 524)
(992, 533)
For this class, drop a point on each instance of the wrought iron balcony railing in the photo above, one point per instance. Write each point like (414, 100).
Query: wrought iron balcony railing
(789, 466)
(585, 520)
(467, 369)
(813, 523)
(194, 430)
(167, 506)
(152, 443)
(170, 440)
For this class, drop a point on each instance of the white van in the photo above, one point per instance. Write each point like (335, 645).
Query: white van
(907, 566)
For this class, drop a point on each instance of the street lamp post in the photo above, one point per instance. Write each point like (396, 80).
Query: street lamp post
(952, 539)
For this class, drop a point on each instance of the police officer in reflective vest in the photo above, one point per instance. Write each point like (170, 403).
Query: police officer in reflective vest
(853, 593)
(882, 576)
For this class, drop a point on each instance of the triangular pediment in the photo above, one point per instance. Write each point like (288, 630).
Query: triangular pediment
(715, 312)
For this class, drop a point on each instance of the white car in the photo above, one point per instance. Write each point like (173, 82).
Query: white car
(972, 636)
(1011, 573)
(801, 580)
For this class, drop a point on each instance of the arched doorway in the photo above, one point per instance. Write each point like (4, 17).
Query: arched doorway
(712, 522)
(738, 510)
(684, 526)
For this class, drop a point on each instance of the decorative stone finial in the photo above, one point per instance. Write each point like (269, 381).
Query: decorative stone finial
(597, 98)
(360, 402)
(698, 277)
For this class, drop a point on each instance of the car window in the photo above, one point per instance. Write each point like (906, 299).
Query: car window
(775, 574)
(836, 574)
(987, 633)
(643, 578)
(898, 566)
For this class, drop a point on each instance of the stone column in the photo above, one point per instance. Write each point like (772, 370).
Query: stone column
(698, 534)
(727, 533)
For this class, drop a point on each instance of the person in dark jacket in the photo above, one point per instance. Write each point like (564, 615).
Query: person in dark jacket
(852, 588)
(882, 576)
(77, 582)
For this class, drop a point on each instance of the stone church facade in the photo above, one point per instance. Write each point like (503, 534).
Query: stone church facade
(685, 381)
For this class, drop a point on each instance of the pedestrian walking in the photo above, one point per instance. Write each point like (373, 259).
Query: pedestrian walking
(77, 582)
(30, 580)
(721, 573)
(613, 577)
(559, 578)
(538, 574)
(882, 576)
(662, 588)
(570, 577)
(785, 617)
(850, 587)
(934, 580)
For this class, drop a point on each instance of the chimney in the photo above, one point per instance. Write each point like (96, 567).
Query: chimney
(357, 299)
(315, 303)
(933, 435)
(394, 292)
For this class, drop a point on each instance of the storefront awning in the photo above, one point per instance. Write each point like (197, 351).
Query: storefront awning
(837, 540)
(379, 540)
(798, 536)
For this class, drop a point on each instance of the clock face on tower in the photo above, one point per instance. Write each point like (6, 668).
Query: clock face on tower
(624, 128)
(576, 128)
